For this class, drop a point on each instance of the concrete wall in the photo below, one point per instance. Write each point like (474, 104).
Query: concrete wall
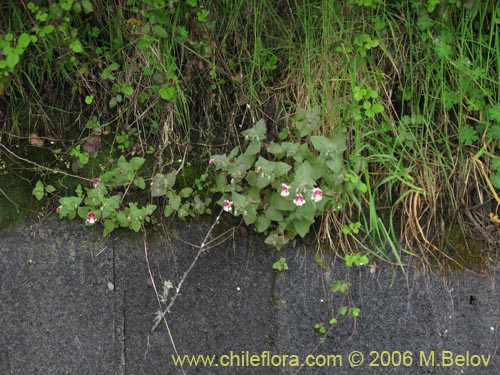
(72, 302)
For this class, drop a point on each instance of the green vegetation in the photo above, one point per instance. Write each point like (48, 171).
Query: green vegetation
(343, 287)
(383, 116)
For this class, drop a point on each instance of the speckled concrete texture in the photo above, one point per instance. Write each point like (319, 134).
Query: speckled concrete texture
(72, 302)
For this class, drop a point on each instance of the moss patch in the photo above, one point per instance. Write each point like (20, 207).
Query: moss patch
(464, 249)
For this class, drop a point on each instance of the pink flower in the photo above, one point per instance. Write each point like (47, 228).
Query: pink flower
(96, 181)
(91, 218)
(299, 200)
(58, 209)
(285, 190)
(227, 205)
(210, 161)
(317, 194)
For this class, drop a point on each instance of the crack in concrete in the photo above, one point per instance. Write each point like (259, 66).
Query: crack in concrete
(119, 313)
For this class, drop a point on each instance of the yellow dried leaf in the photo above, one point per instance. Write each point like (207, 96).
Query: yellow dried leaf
(494, 218)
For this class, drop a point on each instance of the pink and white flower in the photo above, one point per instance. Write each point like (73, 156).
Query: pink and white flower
(58, 209)
(210, 161)
(227, 205)
(299, 200)
(317, 194)
(91, 217)
(96, 181)
(285, 190)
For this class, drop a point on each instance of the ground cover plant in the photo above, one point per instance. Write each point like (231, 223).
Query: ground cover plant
(364, 124)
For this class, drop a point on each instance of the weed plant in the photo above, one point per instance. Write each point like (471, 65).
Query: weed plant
(411, 86)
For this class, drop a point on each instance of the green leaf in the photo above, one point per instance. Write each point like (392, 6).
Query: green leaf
(167, 92)
(276, 149)
(258, 132)
(160, 31)
(340, 286)
(308, 120)
(495, 180)
(38, 191)
(174, 201)
(50, 189)
(109, 226)
(303, 175)
(301, 226)
(89, 99)
(494, 112)
(327, 146)
(280, 264)
(136, 162)
(110, 205)
(127, 90)
(495, 164)
(280, 169)
(273, 214)
(467, 135)
(168, 211)
(140, 183)
(253, 148)
(186, 192)
(280, 203)
(276, 240)
(335, 164)
(262, 224)
(88, 7)
(162, 183)
(76, 46)
(24, 41)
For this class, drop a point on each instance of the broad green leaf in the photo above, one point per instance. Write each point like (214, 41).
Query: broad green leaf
(320, 143)
(186, 192)
(276, 149)
(308, 120)
(252, 178)
(50, 189)
(174, 201)
(168, 211)
(76, 46)
(137, 162)
(24, 41)
(335, 164)
(273, 214)
(301, 226)
(253, 148)
(303, 175)
(280, 169)
(327, 146)
(262, 224)
(167, 92)
(160, 31)
(127, 90)
(88, 7)
(257, 133)
(121, 218)
(280, 203)
(162, 183)
(38, 191)
(139, 182)
(110, 205)
(109, 226)
(275, 240)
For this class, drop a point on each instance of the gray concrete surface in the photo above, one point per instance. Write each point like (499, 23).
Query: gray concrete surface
(72, 302)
